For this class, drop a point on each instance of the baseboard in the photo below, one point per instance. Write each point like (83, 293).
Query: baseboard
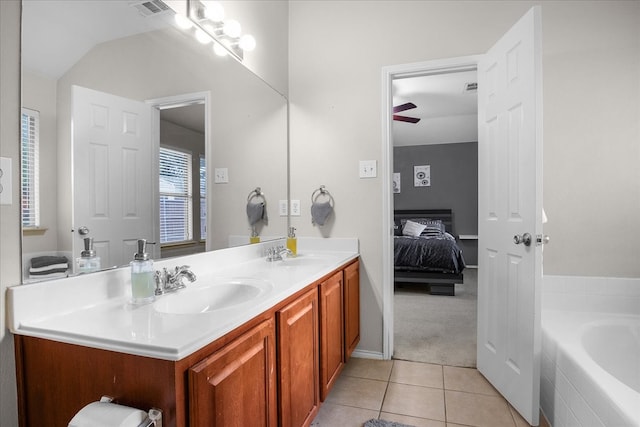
(366, 354)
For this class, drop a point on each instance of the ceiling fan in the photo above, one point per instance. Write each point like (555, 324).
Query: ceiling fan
(404, 107)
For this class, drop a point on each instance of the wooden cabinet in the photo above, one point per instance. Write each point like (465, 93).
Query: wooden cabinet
(236, 386)
(351, 308)
(275, 369)
(331, 332)
(298, 353)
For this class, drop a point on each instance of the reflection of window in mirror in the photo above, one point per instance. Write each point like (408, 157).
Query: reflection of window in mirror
(30, 168)
(176, 202)
(203, 199)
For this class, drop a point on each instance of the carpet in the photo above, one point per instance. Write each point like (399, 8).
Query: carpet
(435, 328)
(383, 423)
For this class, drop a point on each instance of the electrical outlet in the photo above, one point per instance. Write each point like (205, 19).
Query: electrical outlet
(295, 208)
(221, 175)
(368, 169)
(283, 209)
(5, 181)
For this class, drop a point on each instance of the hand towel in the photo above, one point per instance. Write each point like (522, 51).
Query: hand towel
(47, 260)
(256, 212)
(320, 211)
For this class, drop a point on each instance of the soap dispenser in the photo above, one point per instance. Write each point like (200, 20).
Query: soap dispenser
(88, 260)
(292, 241)
(142, 275)
(255, 238)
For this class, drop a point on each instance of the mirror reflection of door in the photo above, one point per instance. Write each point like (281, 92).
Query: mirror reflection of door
(113, 199)
(182, 180)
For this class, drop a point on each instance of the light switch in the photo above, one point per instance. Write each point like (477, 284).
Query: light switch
(295, 208)
(283, 209)
(221, 175)
(368, 169)
(5, 181)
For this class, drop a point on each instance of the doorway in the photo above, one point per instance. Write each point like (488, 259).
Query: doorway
(390, 74)
(181, 132)
(437, 128)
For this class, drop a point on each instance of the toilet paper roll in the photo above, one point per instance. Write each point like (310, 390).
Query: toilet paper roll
(107, 414)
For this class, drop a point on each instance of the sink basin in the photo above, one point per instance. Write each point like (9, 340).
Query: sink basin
(221, 294)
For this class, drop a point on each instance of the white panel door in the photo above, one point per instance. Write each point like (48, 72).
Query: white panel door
(113, 168)
(510, 204)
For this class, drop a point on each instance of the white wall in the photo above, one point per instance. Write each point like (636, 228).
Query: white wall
(9, 215)
(591, 62)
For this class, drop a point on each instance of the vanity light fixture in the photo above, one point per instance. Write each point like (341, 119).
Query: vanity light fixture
(208, 17)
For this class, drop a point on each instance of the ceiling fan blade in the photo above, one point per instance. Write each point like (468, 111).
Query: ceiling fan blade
(406, 119)
(404, 107)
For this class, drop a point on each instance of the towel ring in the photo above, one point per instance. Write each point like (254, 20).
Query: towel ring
(322, 191)
(256, 193)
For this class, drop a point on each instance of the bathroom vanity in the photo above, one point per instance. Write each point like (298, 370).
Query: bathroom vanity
(268, 358)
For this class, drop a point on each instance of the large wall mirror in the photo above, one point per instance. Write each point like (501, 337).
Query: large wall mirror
(110, 88)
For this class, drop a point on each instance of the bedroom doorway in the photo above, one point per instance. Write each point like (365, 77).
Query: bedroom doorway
(434, 163)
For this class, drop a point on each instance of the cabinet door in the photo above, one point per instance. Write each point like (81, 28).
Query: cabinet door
(298, 355)
(236, 386)
(331, 332)
(351, 308)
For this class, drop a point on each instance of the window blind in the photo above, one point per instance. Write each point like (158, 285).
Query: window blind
(203, 198)
(176, 204)
(30, 167)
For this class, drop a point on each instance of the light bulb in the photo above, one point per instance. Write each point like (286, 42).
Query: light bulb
(183, 22)
(213, 11)
(202, 37)
(219, 50)
(232, 28)
(247, 43)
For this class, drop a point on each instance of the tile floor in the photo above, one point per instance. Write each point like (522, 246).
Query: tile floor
(414, 393)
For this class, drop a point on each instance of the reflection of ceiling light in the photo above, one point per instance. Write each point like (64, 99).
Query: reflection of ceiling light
(202, 37)
(219, 50)
(247, 43)
(232, 29)
(183, 22)
(213, 11)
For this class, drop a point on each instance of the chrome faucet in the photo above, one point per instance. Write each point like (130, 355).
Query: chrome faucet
(167, 281)
(275, 253)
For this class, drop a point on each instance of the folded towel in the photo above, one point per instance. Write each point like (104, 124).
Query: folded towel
(47, 272)
(320, 211)
(256, 212)
(47, 260)
(49, 267)
(48, 276)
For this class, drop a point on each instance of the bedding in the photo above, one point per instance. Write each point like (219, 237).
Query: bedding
(436, 253)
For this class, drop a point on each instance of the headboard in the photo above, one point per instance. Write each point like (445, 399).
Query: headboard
(444, 215)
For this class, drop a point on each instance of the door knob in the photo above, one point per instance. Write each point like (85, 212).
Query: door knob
(525, 239)
(83, 231)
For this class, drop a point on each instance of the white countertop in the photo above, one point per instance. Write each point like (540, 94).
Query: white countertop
(95, 310)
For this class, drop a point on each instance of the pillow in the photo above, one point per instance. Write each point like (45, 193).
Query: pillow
(433, 228)
(413, 228)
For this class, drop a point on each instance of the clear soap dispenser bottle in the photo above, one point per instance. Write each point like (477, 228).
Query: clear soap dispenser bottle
(142, 275)
(292, 241)
(88, 260)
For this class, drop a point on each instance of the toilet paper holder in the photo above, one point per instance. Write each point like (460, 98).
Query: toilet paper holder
(96, 412)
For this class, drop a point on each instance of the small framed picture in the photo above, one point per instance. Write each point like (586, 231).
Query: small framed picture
(422, 176)
(396, 182)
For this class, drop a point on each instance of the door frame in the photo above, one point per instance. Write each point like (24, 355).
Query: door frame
(390, 73)
(176, 101)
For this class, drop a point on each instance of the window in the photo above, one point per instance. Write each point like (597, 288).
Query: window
(203, 198)
(176, 204)
(30, 167)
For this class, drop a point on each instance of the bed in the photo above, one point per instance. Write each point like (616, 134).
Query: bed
(425, 250)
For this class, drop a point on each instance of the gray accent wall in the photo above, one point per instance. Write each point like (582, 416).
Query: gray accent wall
(454, 181)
